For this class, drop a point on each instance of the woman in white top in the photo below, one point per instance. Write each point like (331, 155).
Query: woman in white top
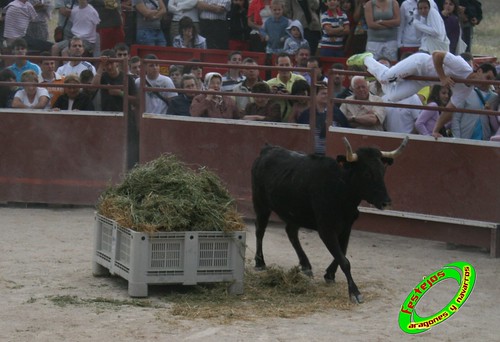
(430, 25)
(31, 96)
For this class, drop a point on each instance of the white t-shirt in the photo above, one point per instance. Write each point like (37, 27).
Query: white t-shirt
(68, 69)
(454, 66)
(85, 22)
(40, 92)
(153, 102)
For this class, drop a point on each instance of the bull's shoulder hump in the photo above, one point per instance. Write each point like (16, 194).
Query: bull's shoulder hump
(277, 150)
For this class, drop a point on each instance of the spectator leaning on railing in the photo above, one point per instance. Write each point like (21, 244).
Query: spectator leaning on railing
(73, 98)
(31, 96)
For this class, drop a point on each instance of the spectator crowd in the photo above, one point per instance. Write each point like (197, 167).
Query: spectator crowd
(376, 35)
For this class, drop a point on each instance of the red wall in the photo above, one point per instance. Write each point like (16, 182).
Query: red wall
(49, 157)
(438, 178)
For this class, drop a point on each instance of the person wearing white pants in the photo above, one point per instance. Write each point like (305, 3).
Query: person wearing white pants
(440, 64)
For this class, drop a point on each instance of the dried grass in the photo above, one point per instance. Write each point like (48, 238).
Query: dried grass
(272, 293)
(166, 195)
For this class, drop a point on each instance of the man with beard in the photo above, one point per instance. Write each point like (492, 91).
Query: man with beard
(75, 67)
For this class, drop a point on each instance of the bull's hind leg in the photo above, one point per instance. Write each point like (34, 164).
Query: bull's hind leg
(331, 241)
(332, 269)
(261, 221)
(293, 235)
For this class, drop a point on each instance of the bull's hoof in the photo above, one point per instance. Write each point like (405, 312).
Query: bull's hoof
(260, 268)
(357, 299)
(308, 272)
(329, 280)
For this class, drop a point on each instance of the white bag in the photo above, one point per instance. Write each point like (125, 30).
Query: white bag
(461, 47)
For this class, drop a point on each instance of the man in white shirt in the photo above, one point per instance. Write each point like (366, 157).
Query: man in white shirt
(443, 65)
(363, 116)
(84, 19)
(18, 15)
(76, 49)
(156, 102)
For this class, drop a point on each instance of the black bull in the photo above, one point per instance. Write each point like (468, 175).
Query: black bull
(318, 193)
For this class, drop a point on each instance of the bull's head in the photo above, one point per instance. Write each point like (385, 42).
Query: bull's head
(368, 169)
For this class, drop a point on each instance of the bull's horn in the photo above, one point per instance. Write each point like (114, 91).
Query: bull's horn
(396, 152)
(351, 157)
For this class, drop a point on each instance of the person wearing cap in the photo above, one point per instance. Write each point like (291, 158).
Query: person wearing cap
(211, 105)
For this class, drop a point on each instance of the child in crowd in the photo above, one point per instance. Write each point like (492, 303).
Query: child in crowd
(296, 38)
(274, 30)
(439, 97)
(262, 108)
(196, 71)
(300, 88)
(335, 26)
(175, 74)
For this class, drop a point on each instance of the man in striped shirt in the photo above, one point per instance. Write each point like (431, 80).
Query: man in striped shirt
(18, 15)
(213, 23)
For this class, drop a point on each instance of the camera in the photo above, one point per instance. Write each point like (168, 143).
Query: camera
(280, 88)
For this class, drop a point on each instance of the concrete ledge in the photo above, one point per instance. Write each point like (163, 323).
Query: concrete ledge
(431, 218)
(431, 227)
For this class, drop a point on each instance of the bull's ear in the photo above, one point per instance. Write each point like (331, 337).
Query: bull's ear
(387, 161)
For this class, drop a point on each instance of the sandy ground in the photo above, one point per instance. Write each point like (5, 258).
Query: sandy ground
(48, 252)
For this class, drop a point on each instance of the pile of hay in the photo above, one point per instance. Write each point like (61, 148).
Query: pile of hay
(166, 195)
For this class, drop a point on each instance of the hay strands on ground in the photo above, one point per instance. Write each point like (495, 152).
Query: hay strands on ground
(274, 292)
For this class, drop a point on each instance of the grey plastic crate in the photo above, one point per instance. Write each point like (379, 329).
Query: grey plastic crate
(185, 258)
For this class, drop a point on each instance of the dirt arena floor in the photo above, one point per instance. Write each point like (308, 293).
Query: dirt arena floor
(47, 253)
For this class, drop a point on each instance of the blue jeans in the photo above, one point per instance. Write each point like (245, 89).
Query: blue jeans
(331, 52)
(151, 37)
